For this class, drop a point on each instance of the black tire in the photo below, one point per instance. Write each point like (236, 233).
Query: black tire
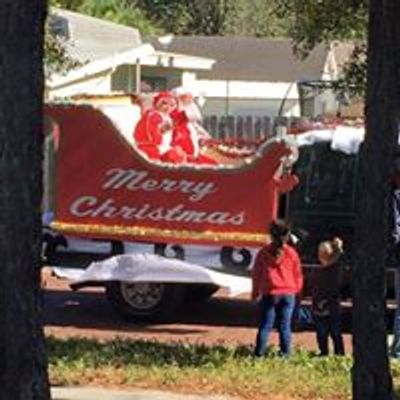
(145, 301)
(196, 293)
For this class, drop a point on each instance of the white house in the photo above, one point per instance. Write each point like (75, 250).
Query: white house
(114, 59)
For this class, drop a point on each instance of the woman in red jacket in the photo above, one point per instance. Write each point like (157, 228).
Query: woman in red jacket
(277, 278)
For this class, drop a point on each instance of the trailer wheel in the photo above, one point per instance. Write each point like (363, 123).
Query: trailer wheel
(146, 301)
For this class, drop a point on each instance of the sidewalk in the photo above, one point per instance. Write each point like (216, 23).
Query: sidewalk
(82, 393)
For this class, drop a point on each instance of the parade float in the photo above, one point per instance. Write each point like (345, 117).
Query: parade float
(154, 232)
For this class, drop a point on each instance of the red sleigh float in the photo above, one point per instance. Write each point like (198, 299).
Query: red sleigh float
(106, 189)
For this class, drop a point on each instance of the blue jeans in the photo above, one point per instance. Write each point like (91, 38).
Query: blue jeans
(326, 326)
(395, 346)
(282, 307)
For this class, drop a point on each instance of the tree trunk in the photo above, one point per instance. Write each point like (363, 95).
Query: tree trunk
(23, 364)
(371, 375)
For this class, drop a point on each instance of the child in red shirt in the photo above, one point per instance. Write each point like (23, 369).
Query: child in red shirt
(277, 277)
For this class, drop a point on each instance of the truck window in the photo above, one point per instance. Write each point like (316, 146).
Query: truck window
(327, 181)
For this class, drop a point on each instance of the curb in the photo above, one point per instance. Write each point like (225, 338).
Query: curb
(84, 393)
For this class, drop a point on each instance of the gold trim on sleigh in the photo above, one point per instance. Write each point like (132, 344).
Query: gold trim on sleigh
(66, 227)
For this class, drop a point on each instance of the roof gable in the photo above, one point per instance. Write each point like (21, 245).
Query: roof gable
(90, 38)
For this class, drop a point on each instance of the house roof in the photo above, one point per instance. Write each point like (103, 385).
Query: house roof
(249, 58)
(102, 46)
(89, 38)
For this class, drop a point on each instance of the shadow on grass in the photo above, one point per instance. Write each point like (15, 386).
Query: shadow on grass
(127, 352)
(139, 352)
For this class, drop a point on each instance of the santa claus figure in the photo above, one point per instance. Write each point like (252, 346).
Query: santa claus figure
(153, 133)
(188, 133)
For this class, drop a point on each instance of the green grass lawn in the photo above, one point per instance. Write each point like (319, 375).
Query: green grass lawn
(199, 369)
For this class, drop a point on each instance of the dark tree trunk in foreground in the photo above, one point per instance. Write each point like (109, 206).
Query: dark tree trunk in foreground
(371, 375)
(23, 365)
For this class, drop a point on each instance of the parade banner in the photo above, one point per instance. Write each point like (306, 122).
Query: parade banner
(106, 189)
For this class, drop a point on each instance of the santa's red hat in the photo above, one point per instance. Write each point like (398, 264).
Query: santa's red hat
(162, 96)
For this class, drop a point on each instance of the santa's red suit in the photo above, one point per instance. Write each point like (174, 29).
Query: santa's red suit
(148, 135)
(186, 138)
(153, 134)
(181, 133)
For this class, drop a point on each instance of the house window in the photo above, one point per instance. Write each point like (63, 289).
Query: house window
(155, 83)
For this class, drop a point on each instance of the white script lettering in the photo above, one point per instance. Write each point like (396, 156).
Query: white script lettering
(133, 180)
(90, 206)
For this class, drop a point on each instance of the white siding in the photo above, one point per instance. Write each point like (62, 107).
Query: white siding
(98, 84)
(249, 98)
(254, 107)
(249, 90)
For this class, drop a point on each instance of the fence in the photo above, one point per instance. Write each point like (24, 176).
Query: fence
(244, 127)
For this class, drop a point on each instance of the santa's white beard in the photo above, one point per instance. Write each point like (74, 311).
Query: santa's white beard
(193, 113)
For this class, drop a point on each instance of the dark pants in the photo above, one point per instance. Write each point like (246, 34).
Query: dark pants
(282, 307)
(326, 326)
(395, 346)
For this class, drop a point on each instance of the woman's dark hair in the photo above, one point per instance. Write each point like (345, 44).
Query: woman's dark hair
(279, 232)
